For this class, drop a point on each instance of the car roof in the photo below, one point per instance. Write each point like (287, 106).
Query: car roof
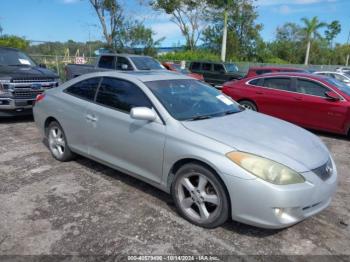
(123, 54)
(8, 48)
(274, 67)
(291, 74)
(143, 76)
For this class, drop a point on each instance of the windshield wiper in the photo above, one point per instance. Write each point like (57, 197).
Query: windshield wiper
(19, 65)
(199, 118)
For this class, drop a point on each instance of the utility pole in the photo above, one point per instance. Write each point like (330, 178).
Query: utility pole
(348, 56)
(224, 37)
(224, 33)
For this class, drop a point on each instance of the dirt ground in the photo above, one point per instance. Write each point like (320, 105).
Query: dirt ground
(84, 208)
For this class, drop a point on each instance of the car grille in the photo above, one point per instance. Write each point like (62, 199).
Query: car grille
(324, 172)
(30, 94)
(32, 80)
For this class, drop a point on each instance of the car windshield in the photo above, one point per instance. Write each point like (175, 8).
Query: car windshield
(187, 99)
(232, 68)
(15, 58)
(146, 63)
(340, 85)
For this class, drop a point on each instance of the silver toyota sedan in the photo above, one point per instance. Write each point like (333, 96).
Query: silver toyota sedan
(217, 160)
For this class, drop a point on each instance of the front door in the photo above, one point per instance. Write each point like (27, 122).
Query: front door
(135, 146)
(319, 112)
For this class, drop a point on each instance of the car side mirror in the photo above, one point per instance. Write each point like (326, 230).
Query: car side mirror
(42, 65)
(143, 113)
(332, 96)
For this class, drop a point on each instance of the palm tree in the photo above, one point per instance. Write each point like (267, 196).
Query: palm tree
(310, 30)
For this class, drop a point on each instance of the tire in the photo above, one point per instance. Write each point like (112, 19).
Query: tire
(58, 143)
(200, 196)
(248, 105)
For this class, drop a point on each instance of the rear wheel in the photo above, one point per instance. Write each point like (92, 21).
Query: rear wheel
(200, 196)
(58, 143)
(248, 105)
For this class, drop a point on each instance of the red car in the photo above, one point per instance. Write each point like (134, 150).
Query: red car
(177, 68)
(311, 101)
(260, 70)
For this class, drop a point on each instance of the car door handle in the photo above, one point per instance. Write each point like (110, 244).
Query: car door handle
(298, 98)
(91, 118)
(259, 93)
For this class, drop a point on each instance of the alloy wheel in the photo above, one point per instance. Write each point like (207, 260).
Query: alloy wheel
(57, 142)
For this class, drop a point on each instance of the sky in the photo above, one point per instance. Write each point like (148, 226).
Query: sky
(61, 20)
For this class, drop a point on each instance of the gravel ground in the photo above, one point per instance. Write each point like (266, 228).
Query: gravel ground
(84, 208)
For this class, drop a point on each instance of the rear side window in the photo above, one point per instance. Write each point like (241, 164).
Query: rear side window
(85, 89)
(121, 95)
(311, 88)
(206, 67)
(107, 62)
(280, 83)
(195, 66)
(218, 68)
(123, 64)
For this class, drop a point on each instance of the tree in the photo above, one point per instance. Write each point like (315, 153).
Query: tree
(14, 41)
(310, 30)
(1, 30)
(243, 33)
(188, 15)
(333, 29)
(110, 15)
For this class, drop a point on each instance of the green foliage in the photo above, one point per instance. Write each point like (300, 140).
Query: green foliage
(243, 31)
(188, 55)
(14, 41)
(333, 29)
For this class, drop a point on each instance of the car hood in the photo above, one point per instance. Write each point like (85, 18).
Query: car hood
(26, 72)
(265, 136)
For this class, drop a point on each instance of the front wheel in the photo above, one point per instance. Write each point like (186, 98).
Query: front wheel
(200, 196)
(248, 105)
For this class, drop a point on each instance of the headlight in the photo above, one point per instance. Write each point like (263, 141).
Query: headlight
(4, 86)
(266, 169)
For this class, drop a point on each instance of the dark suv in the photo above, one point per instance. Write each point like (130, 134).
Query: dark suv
(216, 73)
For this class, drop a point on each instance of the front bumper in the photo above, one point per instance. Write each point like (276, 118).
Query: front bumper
(262, 204)
(13, 107)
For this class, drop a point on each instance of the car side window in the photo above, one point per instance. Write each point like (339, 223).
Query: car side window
(123, 62)
(195, 66)
(206, 66)
(107, 62)
(311, 88)
(218, 68)
(121, 95)
(257, 82)
(280, 83)
(85, 89)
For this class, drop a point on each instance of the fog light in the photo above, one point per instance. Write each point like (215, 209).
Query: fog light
(278, 212)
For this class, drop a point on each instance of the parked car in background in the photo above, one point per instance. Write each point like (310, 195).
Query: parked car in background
(119, 62)
(260, 70)
(343, 69)
(217, 160)
(311, 101)
(215, 73)
(177, 68)
(21, 80)
(342, 77)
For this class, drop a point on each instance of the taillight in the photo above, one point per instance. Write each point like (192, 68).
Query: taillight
(39, 97)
